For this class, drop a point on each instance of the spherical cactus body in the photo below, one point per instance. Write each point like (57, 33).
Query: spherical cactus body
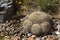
(36, 29)
(26, 25)
(38, 17)
(45, 26)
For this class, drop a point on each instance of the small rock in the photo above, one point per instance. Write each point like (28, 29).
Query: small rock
(43, 38)
(49, 39)
(58, 22)
(29, 34)
(33, 36)
(38, 38)
(8, 29)
(17, 38)
(30, 38)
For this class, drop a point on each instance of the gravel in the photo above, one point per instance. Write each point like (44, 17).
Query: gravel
(13, 31)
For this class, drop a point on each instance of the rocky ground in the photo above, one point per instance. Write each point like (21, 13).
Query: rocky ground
(37, 26)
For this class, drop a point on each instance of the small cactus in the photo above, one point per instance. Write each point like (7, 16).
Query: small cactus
(38, 17)
(37, 23)
(36, 29)
(45, 26)
(27, 25)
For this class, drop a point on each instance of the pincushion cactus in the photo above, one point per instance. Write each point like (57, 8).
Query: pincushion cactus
(26, 25)
(38, 17)
(36, 29)
(37, 23)
(45, 26)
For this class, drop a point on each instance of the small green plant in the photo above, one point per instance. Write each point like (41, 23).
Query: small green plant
(28, 2)
(48, 5)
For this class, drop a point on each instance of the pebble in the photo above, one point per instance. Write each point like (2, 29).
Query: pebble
(49, 39)
(43, 38)
(30, 38)
(33, 36)
(8, 29)
(38, 38)
(58, 22)
(29, 34)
